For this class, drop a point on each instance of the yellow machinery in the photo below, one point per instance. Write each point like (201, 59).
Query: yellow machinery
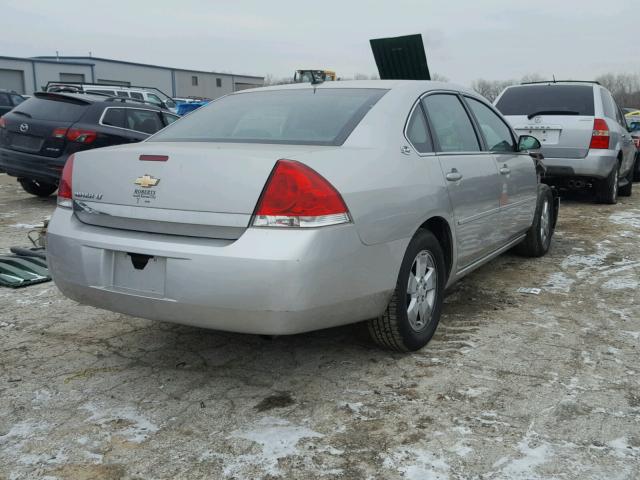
(314, 76)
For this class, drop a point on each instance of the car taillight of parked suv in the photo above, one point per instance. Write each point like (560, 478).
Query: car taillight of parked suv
(584, 135)
(38, 136)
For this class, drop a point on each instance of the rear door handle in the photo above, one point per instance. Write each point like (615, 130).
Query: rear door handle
(454, 175)
(505, 170)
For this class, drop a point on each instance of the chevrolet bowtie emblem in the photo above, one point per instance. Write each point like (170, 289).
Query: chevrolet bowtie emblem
(147, 181)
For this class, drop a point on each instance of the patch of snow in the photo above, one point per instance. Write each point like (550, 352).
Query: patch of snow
(473, 392)
(620, 283)
(137, 427)
(558, 282)
(629, 218)
(278, 438)
(620, 448)
(461, 449)
(635, 335)
(524, 467)
(417, 464)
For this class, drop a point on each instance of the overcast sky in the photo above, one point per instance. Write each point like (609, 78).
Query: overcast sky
(464, 40)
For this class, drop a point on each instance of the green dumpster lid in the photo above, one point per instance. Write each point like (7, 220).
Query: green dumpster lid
(401, 58)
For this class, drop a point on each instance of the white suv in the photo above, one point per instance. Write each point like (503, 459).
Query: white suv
(151, 95)
(584, 135)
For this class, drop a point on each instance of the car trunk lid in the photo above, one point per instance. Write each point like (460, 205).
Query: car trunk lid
(197, 189)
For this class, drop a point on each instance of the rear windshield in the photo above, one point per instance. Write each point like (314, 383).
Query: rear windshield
(527, 100)
(297, 116)
(42, 109)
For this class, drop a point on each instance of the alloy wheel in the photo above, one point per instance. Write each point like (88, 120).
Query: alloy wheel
(421, 290)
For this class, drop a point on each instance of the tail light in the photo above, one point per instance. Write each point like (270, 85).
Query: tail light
(3, 122)
(600, 135)
(298, 196)
(81, 136)
(65, 192)
(59, 133)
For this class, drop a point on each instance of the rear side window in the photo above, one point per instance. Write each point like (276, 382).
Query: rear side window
(169, 119)
(136, 95)
(608, 105)
(114, 117)
(531, 99)
(451, 124)
(322, 116)
(495, 131)
(417, 132)
(46, 109)
(17, 99)
(4, 100)
(121, 93)
(146, 121)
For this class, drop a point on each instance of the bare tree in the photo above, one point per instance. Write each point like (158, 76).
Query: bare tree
(490, 89)
(624, 87)
(438, 77)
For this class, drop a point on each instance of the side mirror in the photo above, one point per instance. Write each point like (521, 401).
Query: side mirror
(527, 142)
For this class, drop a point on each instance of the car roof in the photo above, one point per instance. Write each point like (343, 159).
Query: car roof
(111, 101)
(416, 87)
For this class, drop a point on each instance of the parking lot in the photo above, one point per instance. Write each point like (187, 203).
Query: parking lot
(512, 385)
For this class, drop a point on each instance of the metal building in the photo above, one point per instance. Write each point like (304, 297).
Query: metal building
(26, 75)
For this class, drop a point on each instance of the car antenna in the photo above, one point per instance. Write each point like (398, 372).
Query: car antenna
(554, 79)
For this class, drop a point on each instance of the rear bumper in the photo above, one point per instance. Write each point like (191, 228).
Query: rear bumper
(595, 166)
(269, 281)
(26, 165)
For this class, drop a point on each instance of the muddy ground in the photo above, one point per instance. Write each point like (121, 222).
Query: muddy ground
(512, 386)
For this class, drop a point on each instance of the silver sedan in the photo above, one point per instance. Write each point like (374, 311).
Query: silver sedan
(294, 208)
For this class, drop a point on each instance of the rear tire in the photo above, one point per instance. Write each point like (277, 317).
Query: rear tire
(607, 190)
(628, 188)
(39, 189)
(636, 170)
(413, 314)
(538, 239)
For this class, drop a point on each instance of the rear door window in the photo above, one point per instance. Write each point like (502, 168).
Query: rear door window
(50, 109)
(146, 121)
(417, 132)
(496, 133)
(136, 95)
(452, 126)
(4, 100)
(17, 99)
(114, 117)
(531, 99)
(122, 94)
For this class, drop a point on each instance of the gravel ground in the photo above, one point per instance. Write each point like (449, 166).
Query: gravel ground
(512, 386)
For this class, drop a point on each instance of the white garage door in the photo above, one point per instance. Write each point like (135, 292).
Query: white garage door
(12, 80)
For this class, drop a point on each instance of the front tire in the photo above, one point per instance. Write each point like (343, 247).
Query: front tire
(608, 188)
(538, 239)
(413, 314)
(39, 189)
